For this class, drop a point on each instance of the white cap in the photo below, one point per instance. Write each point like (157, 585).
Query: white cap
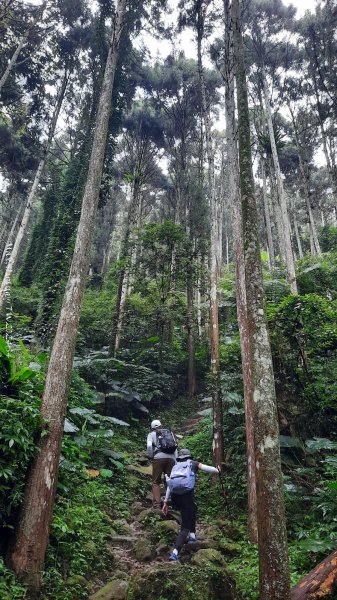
(156, 423)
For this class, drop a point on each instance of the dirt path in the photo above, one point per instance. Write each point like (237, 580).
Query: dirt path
(134, 547)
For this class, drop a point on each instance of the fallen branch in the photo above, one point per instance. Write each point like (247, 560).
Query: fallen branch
(320, 583)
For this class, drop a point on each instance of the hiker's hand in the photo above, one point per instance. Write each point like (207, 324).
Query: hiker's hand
(164, 509)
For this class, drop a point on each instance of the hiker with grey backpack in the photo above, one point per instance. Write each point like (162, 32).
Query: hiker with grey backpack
(180, 490)
(162, 450)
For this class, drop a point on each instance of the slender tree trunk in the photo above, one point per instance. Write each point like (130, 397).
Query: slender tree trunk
(241, 300)
(191, 375)
(270, 242)
(273, 560)
(227, 252)
(19, 47)
(11, 236)
(277, 215)
(218, 443)
(123, 281)
(316, 249)
(5, 285)
(27, 553)
(290, 264)
(298, 238)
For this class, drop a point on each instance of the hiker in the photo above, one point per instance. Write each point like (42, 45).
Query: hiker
(162, 450)
(181, 490)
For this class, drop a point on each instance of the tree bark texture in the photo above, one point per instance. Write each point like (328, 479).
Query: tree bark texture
(290, 264)
(27, 553)
(320, 583)
(241, 301)
(191, 375)
(216, 224)
(269, 233)
(273, 559)
(5, 284)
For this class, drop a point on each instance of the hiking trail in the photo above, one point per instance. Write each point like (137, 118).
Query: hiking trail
(140, 548)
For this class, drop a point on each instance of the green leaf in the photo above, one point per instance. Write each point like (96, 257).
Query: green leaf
(106, 473)
(4, 346)
(321, 444)
(22, 375)
(287, 441)
(117, 464)
(101, 433)
(115, 421)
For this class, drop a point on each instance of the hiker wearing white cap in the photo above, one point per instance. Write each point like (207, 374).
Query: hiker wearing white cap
(162, 450)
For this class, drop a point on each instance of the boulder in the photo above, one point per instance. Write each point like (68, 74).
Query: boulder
(136, 508)
(166, 530)
(113, 590)
(121, 526)
(139, 469)
(77, 580)
(143, 550)
(179, 582)
(123, 541)
(148, 514)
(208, 557)
(189, 549)
(163, 548)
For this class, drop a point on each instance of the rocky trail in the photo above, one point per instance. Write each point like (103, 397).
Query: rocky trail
(140, 547)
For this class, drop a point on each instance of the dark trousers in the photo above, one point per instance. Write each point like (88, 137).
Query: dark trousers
(185, 503)
(160, 466)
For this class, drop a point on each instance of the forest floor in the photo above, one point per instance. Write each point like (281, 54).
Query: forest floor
(142, 543)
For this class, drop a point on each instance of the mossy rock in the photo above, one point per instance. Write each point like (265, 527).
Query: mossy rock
(189, 549)
(207, 557)
(138, 469)
(149, 514)
(143, 550)
(229, 548)
(113, 590)
(77, 581)
(166, 530)
(121, 527)
(181, 582)
(90, 548)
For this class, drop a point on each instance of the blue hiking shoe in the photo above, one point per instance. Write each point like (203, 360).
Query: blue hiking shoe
(174, 557)
(192, 540)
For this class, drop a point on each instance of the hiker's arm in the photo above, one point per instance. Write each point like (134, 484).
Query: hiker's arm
(167, 498)
(207, 468)
(149, 445)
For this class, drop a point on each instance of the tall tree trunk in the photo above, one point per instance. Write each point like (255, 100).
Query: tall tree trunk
(216, 220)
(26, 556)
(241, 300)
(5, 285)
(273, 560)
(123, 281)
(11, 236)
(277, 214)
(19, 47)
(269, 233)
(290, 264)
(191, 375)
(306, 186)
(298, 237)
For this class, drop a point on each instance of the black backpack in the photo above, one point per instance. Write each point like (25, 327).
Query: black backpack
(166, 441)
